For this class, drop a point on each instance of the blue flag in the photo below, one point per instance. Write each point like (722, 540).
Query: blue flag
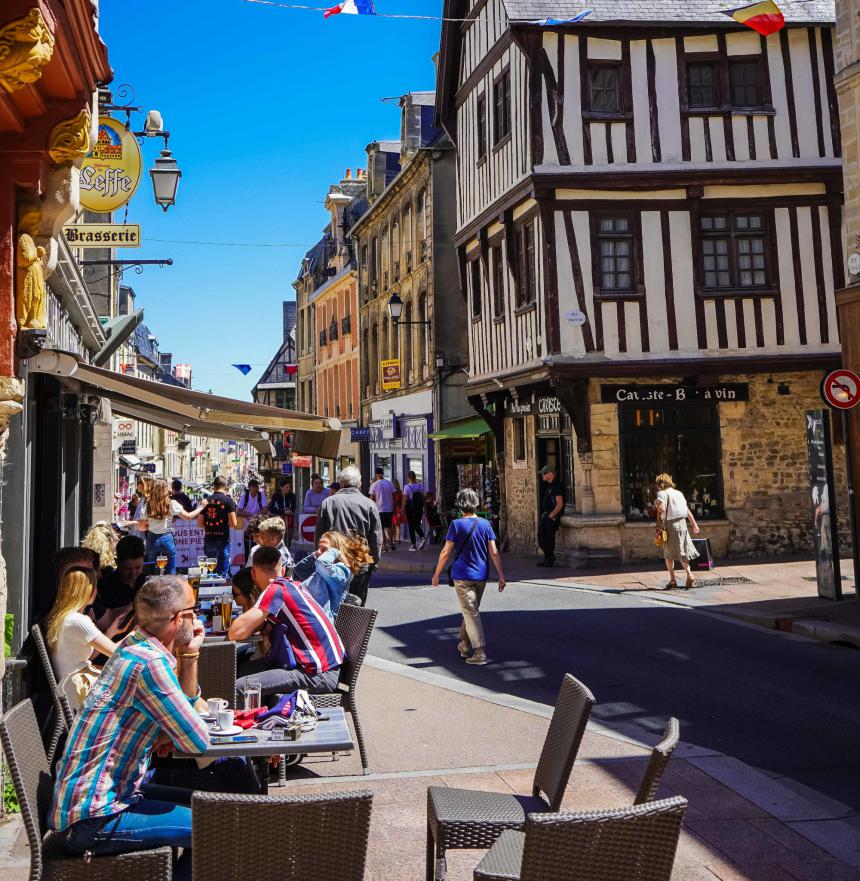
(244, 369)
(550, 22)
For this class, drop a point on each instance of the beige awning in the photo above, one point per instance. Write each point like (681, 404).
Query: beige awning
(189, 411)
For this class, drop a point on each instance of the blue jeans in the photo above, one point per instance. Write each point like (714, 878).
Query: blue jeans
(163, 818)
(161, 544)
(220, 549)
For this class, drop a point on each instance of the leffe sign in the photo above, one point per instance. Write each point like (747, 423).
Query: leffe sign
(111, 171)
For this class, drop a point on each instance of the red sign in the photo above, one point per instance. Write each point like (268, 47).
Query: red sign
(841, 389)
(308, 526)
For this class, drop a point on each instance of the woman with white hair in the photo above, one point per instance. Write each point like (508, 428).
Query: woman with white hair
(470, 543)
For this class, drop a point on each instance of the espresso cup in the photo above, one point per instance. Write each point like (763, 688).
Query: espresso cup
(225, 719)
(215, 705)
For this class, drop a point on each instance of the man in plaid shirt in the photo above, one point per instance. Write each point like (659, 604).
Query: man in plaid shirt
(143, 699)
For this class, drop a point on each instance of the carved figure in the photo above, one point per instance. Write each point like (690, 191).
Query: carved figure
(26, 46)
(31, 300)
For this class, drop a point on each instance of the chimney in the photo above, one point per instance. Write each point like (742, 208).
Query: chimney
(359, 173)
(348, 175)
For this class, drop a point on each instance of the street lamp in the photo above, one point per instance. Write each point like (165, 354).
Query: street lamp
(395, 310)
(165, 179)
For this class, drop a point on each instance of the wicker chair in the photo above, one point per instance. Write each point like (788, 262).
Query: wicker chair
(626, 844)
(354, 624)
(217, 670)
(464, 818)
(63, 715)
(28, 765)
(280, 838)
(660, 756)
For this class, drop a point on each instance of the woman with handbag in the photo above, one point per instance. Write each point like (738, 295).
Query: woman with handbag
(672, 533)
(469, 544)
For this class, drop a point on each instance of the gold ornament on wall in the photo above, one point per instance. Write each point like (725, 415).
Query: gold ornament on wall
(70, 139)
(30, 302)
(26, 46)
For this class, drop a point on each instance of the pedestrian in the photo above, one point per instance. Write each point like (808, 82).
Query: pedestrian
(137, 511)
(252, 502)
(160, 511)
(178, 495)
(397, 519)
(468, 545)
(216, 521)
(283, 505)
(143, 699)
(672, 535)
(552, 504)
(350, 512)
(315, 496)
(382, 492)
(414, 510)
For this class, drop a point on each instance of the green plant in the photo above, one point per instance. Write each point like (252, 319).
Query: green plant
(8, 627)
(10, 798)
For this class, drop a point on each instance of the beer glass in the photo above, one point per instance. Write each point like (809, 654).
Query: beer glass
(201, 562)
(227, 610)
(161, 562)
(211, 563)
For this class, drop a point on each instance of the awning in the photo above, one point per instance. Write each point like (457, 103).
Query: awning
(130, 461)
(462, 429)
(192, 412)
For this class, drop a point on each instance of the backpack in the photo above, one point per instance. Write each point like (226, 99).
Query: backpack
(416, 500)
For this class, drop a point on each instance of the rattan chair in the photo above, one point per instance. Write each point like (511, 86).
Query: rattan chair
(624, 844)
(465, 818)
(216, 668)
(660, 756)
(31, 777)
(354, 624)
(63, 715)
(280, 838)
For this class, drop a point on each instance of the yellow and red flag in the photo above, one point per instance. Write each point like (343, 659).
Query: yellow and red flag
(764, 17)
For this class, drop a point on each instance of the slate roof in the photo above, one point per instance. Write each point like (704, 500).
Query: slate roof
(662, 11)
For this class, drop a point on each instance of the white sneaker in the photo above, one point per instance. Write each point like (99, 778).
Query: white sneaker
(479, 659)
(412, 548)
(423, 543)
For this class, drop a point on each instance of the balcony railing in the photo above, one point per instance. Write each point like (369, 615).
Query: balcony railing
(332, 330)
(322, 338)
(345, 324)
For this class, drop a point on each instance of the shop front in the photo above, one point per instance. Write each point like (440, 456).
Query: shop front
(400, 439)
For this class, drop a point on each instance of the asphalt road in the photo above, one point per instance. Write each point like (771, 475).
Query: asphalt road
(785, 705)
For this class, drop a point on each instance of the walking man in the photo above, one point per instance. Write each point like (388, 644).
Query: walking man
(552, 504)
(414, 492)
(382, 492)
(350, 511)
(283, 505)
(217, 519)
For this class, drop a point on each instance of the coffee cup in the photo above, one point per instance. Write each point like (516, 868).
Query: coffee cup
(225, 720)
(215, 705)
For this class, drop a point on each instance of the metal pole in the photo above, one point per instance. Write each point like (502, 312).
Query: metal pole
(855, 544)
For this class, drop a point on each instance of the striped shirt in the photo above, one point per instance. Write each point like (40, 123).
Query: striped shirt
(109, 747)
(310, 632)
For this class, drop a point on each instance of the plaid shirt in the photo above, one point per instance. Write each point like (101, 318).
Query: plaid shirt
(108, 750)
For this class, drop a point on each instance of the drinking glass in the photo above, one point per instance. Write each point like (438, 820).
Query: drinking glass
(201, 562)
(211, 563)
(227, 610)
(253, 699)
(161, 562)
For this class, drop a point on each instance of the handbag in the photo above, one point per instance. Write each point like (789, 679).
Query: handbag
(450, 569)
(662, 537)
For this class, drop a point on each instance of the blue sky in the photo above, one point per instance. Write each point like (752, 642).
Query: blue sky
(266, 108)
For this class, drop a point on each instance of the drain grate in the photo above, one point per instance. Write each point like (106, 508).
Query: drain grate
(723, 582)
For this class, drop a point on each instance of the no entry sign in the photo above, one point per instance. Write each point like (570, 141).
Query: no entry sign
(307, 527)
(841, 389)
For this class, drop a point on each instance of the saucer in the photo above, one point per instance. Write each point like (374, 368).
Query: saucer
(225, 732)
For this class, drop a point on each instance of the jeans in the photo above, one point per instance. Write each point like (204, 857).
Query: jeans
(469, 593)
(361, 582)
(280, 681)
(161, 544)
(220, 549)
(546, 535)
(162, 817)
(413, 521)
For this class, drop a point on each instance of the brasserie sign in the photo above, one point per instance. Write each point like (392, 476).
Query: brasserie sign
(667, 393)
(103, 235)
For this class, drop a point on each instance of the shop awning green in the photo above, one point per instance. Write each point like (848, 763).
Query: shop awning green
(463, 429)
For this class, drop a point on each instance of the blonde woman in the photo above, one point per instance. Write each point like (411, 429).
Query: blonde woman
(673, 516)
(71, 636)
(160, 511)
(101, 537)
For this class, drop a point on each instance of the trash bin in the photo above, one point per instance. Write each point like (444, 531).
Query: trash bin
(705, 561)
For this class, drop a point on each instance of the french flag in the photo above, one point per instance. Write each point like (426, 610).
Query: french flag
(351, 7)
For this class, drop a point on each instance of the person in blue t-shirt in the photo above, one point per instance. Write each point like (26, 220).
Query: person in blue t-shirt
(470, 542)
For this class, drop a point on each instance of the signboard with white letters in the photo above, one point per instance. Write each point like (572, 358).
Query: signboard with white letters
(667, 393)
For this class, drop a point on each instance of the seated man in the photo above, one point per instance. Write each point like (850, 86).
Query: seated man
(270, 534)
(306, 651)
(117, 587)
(143, 699)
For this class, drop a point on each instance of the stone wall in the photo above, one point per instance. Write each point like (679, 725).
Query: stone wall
(521, 491)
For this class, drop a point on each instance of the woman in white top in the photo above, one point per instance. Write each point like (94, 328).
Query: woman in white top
(160, 511)
(673, 515)
(138, 515)
(71, 636)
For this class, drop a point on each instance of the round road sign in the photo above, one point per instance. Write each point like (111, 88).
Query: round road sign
(308, 527)
(841, 389)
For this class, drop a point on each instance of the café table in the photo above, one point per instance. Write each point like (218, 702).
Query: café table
(330, 735)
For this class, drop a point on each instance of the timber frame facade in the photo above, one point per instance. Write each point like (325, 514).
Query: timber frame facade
(659, 203)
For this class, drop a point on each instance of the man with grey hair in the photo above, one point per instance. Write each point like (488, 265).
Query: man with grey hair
(350, 511)
(143, 699)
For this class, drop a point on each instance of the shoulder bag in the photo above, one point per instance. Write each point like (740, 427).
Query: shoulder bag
(662, 537)
(459, 551)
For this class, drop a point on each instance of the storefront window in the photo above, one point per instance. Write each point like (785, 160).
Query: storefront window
(384, 462)
(681, 440)
(416, 465)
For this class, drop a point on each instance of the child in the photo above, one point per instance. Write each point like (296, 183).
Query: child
(269, 533)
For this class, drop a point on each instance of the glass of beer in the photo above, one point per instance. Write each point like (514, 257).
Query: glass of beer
(226, 610)
(161, 562)
(211, 563)
(201, 562)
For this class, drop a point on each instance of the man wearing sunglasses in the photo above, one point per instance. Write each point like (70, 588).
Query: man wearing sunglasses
(143, 699)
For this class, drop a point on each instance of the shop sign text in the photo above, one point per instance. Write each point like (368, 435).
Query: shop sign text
(103, 235)
(673, 394)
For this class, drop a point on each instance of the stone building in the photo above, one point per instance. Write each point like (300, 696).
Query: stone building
(649, 213)
(411, 368)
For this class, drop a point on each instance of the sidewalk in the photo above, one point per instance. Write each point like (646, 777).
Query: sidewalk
(778, 594)
(742, 825)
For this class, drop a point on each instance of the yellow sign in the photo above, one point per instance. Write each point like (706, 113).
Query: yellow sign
(111, 171)
(391, 374)
(103, 235)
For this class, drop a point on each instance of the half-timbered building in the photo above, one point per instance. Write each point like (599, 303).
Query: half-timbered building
(649, 237)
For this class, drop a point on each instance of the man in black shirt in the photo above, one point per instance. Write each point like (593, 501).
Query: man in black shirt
(117, 587)
(283, 505)
(217, 519)
(552, 504)
(178, 496)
